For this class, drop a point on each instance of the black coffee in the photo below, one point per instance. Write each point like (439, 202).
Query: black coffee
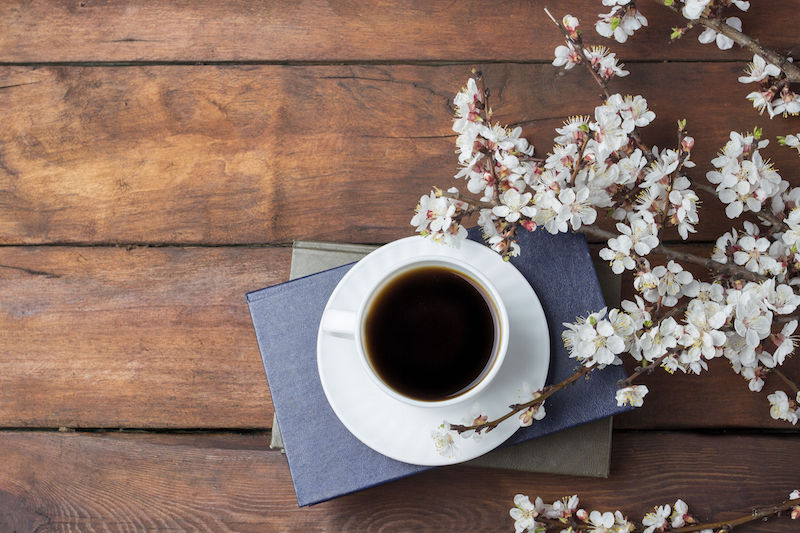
(429, 333)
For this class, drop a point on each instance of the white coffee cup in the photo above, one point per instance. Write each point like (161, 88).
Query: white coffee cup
(352, 324)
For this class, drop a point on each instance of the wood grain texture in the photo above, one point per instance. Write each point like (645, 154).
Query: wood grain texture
(143, 337)
(161, 337)
(268, 154)
(343, 30)
(76, 482)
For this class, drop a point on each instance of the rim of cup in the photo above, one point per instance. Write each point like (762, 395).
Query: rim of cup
(486, 288)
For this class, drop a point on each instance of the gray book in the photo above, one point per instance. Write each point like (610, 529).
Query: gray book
(582, 451)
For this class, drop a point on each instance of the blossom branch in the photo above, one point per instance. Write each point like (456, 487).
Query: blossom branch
(765, 214)
(586, 60)
(536, 402)
(565, 515)
(791, 70)
(728, 269)
(600, 165)
(756, 514)
(469, 199)
(649, 369)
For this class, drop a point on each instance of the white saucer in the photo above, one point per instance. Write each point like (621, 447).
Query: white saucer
(404, 432)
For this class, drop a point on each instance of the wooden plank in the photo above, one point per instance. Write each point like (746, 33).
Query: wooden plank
(67, 482)
(315, 30)
(161, 337)
(267, 154)
(142, 337)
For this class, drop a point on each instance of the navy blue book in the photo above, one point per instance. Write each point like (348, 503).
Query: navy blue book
(322, 453)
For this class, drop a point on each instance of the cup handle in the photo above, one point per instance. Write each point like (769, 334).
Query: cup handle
(339, 323)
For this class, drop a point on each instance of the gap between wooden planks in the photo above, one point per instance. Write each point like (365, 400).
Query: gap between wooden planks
(104, 337)
(227, 482)
(268, 154)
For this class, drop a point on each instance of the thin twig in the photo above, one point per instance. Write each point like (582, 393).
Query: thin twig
(769, 217)
(466, 198)
(788, 381)
(719, 268)
(516, 408)
(791, 70)
(584, 56)
(755, 514)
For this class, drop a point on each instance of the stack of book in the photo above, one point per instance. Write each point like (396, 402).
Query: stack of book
(326, 461)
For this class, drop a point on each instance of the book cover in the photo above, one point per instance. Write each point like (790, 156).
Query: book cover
(325, 460)
(584, 450)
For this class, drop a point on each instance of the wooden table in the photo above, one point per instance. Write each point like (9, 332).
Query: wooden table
(157, 160)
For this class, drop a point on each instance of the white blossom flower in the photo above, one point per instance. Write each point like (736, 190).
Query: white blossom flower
(786, 104)
(575, 209)
(792, 141)
(671, 280)
(758, 70)
(466, 106)
(513, 205)
(632, 109)
(618, 254)
(571, 24)
(701, 334)
(473, 419)
(604, 62)
(527, 416)
(692, 9)
(661, 338)
(784, 342)
(633, 395)
(433, 212)
(443, 441)
(762, 101)
(504, 246)
(645, 281)
(751, 250)
(601, 522)
(610, 24)
(723, 42)
(574, 130)
(567, 57)
(664, 165)
(720, 253)
(782, 299)
(621, 322)
(608, 128)
(709, 292)
(524, 513)
(780, 408)
(563, 508)
(593, 340)
(680, 514)
(434, 218)
(643, 233)
(752, 322)
(658, 519)
(683, 207)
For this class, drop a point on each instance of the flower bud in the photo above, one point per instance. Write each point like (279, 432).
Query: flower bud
(572, 25)
(795, 512)
(582, 515)
(687, 143)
